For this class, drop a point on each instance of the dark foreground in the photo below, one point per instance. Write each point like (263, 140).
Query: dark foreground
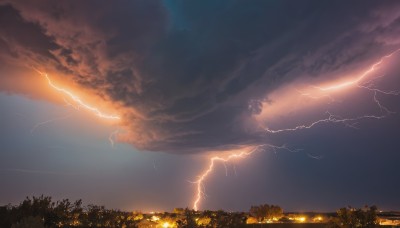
(296, 225)
(40, 212)
(288, 225)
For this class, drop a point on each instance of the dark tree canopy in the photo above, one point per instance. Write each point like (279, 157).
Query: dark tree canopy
(357, 217)
(266, 212)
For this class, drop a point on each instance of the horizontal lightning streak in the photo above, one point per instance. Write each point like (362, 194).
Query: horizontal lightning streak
(330, 119)
(78, 100)
(369, 85)
(359, 78)
(314, 97)
(357, 82)
(318, 157)
(49, 121)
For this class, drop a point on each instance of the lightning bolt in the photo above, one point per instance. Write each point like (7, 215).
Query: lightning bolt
(234, 170)
(370, 85)
(49, 121)
(360, 78)
(69, 104)
(204, 175)
(330, 119)
(317, 157)
(112, 136)
(317, 97)
(77, 100)
(226, 169)
(240, 154)
(359, 82)
(349, 122)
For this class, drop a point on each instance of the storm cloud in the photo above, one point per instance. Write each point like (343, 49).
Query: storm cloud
(189, 76)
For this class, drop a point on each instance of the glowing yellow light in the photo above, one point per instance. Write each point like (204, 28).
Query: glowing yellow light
(301, 219)
(166, 225)
(76, 99)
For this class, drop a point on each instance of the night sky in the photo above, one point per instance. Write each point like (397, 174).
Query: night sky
(124, 103)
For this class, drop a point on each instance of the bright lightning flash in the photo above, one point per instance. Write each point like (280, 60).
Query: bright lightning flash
(77, 100)
(358, 82)
(233, 155)
(360, 78)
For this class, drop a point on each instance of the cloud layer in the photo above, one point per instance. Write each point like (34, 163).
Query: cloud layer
(190, 76)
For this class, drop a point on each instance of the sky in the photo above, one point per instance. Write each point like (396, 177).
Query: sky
(152, 105)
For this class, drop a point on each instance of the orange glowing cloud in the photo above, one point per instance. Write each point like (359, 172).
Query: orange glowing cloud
(75, 98)
(23, 81)
(354, 80)
(302, 97)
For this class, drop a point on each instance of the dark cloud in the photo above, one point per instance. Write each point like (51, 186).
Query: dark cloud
(191, 74)
(16, 32)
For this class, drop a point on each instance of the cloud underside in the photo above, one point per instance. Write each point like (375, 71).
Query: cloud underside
(190, 76)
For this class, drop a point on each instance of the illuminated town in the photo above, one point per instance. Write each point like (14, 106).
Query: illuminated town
(73, 214)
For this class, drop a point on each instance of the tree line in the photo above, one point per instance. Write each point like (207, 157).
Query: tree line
(44, 212)
(40, 212)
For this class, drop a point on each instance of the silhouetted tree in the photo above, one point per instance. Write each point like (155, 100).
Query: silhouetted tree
(353, 217)
(29, 222)
(43, 212)
(189, 220)
(257, 212)
(266, 211)
(6, 218)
